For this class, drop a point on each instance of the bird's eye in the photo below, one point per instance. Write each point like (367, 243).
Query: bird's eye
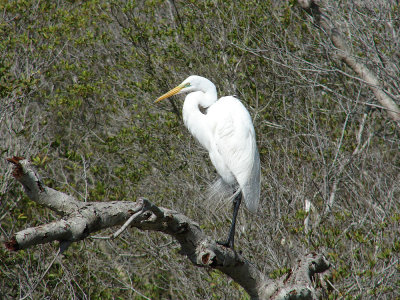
(187, 84)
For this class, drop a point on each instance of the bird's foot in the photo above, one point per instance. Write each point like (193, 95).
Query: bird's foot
(227, 244)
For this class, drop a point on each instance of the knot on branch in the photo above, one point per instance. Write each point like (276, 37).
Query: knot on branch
(149, 215)
(298, 284)
(205, 254)
(211, 254)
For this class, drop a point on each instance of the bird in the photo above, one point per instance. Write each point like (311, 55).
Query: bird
(224, 128)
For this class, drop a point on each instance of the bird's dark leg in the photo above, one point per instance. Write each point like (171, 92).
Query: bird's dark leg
(231, 236)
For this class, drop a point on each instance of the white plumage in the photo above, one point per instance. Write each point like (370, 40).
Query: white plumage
(227, 132)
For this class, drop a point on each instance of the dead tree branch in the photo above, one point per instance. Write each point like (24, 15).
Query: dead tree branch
(344, 54)
(80, 219)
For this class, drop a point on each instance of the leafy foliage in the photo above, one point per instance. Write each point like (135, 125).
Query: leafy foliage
(77, 85)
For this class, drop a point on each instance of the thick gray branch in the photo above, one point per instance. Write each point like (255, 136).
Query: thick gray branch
(82, 219)
(35, 189)
(346, 56)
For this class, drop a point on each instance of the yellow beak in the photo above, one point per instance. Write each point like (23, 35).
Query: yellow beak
(170, 93)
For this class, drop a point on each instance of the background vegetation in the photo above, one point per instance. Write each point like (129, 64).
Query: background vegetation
(77, 85)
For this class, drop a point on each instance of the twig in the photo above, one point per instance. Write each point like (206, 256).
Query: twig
(345, 55)
(127, 223)
(42, 276)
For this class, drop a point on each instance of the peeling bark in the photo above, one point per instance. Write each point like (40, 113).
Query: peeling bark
(80, 219)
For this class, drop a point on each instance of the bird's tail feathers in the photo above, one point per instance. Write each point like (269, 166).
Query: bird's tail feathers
(220, 193)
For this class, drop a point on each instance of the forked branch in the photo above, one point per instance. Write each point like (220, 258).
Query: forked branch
(80, 219)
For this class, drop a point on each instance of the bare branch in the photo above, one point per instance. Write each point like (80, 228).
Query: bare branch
(59, 202)
(89, 217)
(298, 284)
(347, 57)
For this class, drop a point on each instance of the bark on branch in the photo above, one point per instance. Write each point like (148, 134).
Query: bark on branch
(80, 219)
(344, 54)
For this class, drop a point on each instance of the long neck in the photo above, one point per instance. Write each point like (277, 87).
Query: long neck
(194, 119)
(209, 97)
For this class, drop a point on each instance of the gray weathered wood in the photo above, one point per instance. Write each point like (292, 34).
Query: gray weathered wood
(80, 219)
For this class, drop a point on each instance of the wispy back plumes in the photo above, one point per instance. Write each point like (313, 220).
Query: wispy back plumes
(220, 193)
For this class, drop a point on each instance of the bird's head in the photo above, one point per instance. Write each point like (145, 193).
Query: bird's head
(191, 84)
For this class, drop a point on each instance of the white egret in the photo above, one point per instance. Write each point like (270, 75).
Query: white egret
(225, 129)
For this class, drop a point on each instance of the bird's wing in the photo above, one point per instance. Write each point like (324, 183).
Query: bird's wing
(235, 143)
